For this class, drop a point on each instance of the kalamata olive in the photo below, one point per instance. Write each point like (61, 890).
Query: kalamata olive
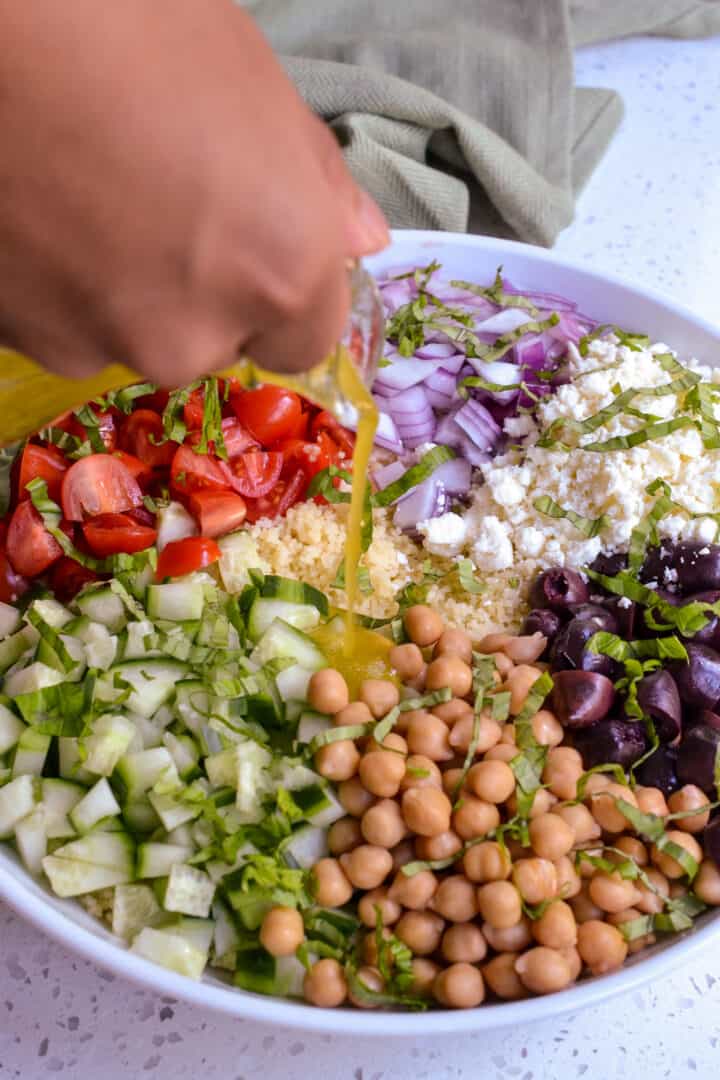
(569, 648)
(708, 718)
(611, 740)
(697, 566)
(660, 770)
(698, 677)
(696, 758)
(658, 697)
(599, 611)
(646, 629)
(711, 840)
(658, 560)
(542, 621)
(581, 698)
(624, 612)
(710, 633)
(610, 565)
(557, 589)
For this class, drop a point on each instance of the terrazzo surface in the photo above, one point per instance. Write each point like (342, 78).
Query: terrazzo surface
(651, 212)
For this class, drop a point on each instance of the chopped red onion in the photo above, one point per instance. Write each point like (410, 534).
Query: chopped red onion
(404, 372)
(478, 424)
(388, 474)
(427, 500)
(504, 322)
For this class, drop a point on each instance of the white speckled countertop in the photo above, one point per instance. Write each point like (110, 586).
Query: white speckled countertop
(651, 212)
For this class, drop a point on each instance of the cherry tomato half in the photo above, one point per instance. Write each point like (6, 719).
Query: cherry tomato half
(285, 494)
(12, 584)
(30, 547)
(68, 577)
(256, 473)
(218, 512)
(325, 421)
(111, 534)
(183, 556)
(45, 463)
(195, 472)
(141, 472)
(269, 412)
(141, 435)
(237, 440)
(98, 484)
(311, 457)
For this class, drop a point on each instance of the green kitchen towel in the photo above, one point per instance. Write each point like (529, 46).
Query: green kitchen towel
(463, 115)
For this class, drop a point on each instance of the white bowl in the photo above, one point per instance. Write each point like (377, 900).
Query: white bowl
(607, 299)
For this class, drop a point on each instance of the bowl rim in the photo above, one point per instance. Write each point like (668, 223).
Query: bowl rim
(110, 953)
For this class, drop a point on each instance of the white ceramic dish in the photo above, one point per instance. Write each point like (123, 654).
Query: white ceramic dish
(607, 299)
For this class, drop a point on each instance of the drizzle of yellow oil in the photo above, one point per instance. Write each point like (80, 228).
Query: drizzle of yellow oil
(367, 659)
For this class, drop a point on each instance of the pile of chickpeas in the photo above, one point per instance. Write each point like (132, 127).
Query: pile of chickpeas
(468, 927)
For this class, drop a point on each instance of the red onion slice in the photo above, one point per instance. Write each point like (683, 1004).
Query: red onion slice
(427, 500)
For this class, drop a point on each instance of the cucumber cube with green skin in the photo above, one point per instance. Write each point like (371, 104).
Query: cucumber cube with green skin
(185, 753)
(31, 839)
(31, 752)
(71, 766)
(36, 676)
(11, 728)
(15, 646)
(58, 797)
(94, 862)
(152, 683)
(99, 803)
(177, 601)
(140, 816)
(155, 859)
(103, 606)
(255, 970)
(188, 891)
(111, 736)
(134, 906)
(51, 611)
(172, 811)
(9, 620)
(265, 610)
(136, 773)
(182, 947)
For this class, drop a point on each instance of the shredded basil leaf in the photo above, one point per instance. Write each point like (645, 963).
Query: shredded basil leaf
(589, 527)
(8, 455)
(468, 580)
(496, 294)
(125, 398)
(415, 475)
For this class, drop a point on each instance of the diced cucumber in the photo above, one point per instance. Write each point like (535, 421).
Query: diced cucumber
(9, 620)
(15, 646)
(100, 645)
(27, 680)
(51, 611)
(290, 773)
(136, 773)
(11, 728)
(292, 685)
(16, 800)
(177, 601)
(222, 768)
(306, 846)
(320, 804)
(111, 736)
(189, 891)
(181, 834)
(156, 860)
(310, 725)
(104, 606)
(225, 935)
(192, 703)
(253, 779)
(134, 906)
(152, 682)
(140, 816)
(283, 639)
(175, 948)
(172, 811)
(48, 654)
(217, 870)
(185, 753)
(151, 729)
(30, 752)
(264, 611)
(58, 799)
(94, 862)
(71, 763)
(99, 803)
(294, 592)
(255, 970)
(133, 641)
(31, 839)
(174, 523)
(239, 554)
(290, 975)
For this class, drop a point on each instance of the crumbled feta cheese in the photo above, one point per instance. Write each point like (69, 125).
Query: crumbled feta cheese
(517, 427)
(624, 602)
(444, 535)
(492, 548)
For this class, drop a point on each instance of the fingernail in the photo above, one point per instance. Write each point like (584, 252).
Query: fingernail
(373, 224)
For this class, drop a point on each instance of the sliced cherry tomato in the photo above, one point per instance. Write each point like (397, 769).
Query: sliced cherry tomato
(98, 484)
(30, 547)
(256, 473)
(155, 401)
(325, 421)
(68, 577)
(269, 412)
(312, 457)
(12, 584)
(285, 494)
(194, 407)
(183, 556)
(218, 512)
(237, 440)
(45, 463)
(196, 472)
(141, 434)
(142, 516)
(110, 534)
(142, 472)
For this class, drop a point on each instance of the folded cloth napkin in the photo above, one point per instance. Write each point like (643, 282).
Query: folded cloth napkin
(463, 115)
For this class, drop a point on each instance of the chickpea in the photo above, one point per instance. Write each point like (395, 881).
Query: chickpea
(369, 949)
(390, 910)
(344, 835)
(574, 961)
(562, 771)
(459, 986)
(604, 809)
(463, 941)
(418, 683)
(383, 824)
(550, 836)
(453, 710)
(503, 664)
(543, 970)
(610, 892)
(367, 865)
(543, 803)
(519, 682)
(596, 783)
(451, 779)
(547, 728)
(499, 904)
(327, 691)
(707, 883)
(407, 660)
(487, 861)
(652, 801)
(356, 712)
(581, 821)
(678, 889)
(282, 931)
(585, 867)
(429, 736)
(442, 846)
(414, 892)
(393, 742)
(489, 733)
(628, 915)
(423, 625)
(526, 649)
(382, 772)
(556, 927)
(421, 931)
(493, 643)
(568, 879)
(415, 766)
(535, 880)
(601, 946)
(689, 797)
(632, 847)
(449, 670)
(665, 863)
(454, 642)
(370, 979)
(426, 811)
(649, 902)
(583, 908)
(380, 696)
(511, 938)
(424, 972)
(509, 735)
(325, 985)
(473, 817)
(337, 761)
(501, 752)
(331, 886)
(493, 781)
(455, 899)
(354, 797)
(402, 854)
(500, 975)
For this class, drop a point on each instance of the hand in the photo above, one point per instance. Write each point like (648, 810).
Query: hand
(166, 198)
